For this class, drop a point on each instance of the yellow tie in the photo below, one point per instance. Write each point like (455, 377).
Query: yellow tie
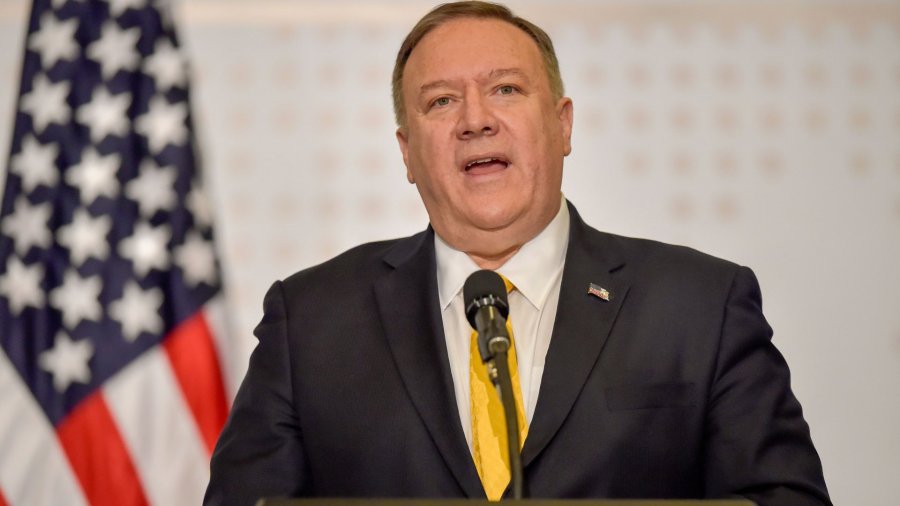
(489, 441)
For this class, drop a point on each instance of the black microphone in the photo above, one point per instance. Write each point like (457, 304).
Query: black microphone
(487, 309)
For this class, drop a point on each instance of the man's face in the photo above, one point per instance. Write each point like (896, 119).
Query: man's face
(484, 139)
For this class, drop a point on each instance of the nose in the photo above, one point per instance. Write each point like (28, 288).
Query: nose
(477, 119)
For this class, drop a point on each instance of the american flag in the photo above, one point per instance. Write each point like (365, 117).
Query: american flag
(598, 291)
(111, 385)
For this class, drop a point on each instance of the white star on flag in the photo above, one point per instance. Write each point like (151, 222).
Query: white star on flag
(54, 40)
(105, 114)
(77, 298)
(163, 124)
(138, 311)
(146, 248)
(167, 66)
(196, 259)
(95, 175)
(118, 7)
(85, 236)
(116, 49)
(46, 102)
(27, 225)
(153, 189)
(21, 285)
(67, 361)
(35, 164)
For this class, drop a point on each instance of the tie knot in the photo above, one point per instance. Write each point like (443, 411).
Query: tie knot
(509, 285)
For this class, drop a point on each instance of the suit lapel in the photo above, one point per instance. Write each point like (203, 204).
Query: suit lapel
(582, 326)
(408, 304)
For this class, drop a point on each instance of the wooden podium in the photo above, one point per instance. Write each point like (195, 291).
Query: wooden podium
(527, 502)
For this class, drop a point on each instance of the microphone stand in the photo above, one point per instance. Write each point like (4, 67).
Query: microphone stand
(498, 371)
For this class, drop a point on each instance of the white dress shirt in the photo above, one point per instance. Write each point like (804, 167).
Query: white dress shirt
(536, 271)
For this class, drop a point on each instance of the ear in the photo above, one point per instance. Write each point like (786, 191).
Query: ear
(565, 114)
(404, 150)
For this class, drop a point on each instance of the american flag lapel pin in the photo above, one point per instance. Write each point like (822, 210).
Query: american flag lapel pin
(598, 291)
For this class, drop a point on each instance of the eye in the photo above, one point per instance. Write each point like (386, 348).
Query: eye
(441, 102)
(506, 89)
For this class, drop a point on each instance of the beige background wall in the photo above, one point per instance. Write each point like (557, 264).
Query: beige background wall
(764, 132)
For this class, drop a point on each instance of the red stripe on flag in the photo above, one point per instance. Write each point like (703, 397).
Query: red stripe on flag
(193, 356)
(98, 455)
(3, 501)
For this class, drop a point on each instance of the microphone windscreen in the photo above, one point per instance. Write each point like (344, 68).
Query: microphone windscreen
(481, 288)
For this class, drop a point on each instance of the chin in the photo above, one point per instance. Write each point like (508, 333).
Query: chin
(495, 217)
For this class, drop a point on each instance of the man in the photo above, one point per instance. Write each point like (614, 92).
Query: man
(645, 370)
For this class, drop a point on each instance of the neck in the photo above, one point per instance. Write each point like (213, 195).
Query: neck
(491, 248)
(493, 261)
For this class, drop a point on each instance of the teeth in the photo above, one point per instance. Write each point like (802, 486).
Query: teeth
(483, 160)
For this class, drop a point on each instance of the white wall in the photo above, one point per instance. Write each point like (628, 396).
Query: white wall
(763, 132)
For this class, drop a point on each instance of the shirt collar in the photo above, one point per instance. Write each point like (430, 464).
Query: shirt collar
(532, 269)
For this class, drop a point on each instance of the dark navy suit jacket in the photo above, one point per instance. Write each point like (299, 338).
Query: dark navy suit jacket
(671, 389)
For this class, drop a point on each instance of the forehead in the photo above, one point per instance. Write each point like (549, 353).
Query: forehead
(461, 48)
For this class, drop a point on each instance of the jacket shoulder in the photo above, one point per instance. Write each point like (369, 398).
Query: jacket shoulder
(356, 266)
(654, 262)
(652, 252)
(641, 254)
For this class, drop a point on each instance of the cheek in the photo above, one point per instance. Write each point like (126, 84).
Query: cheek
(429, 145)
(419, 153)
(432, 171)
(534, 135)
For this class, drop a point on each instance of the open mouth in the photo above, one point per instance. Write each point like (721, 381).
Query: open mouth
(485, 165)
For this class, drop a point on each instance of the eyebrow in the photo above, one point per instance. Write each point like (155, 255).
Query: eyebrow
(498, 73)
(492, 75)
